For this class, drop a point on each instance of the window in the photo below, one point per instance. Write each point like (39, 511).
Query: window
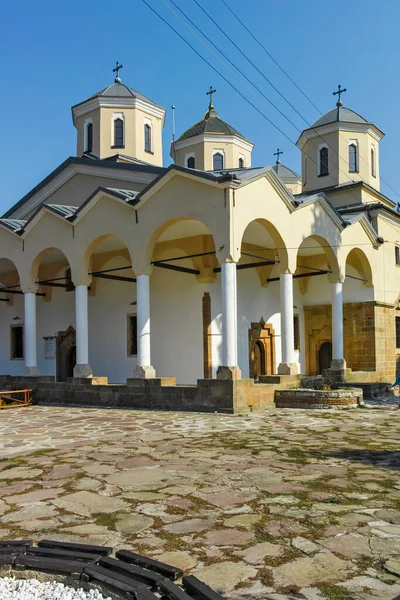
(397, 254)
(305, 171)
(147, 138)
(218, 162)
(132, 335)
(118, 133)
(70, 286)
(89, 134)
(397, 332)
(190, 163)
(241, 163)
(353, 167)
(323, 162)
(17, 342)
(296, 331)
(373, 164)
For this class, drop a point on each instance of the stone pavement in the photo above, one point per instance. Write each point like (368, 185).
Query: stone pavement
(281, 504)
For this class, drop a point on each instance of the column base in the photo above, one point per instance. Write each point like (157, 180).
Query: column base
(31, 372)
(288, 369)
(230, 373)
(147, 372)
(338, 364)
(82, 371)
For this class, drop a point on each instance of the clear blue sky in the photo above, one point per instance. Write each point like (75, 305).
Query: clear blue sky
(56, 54)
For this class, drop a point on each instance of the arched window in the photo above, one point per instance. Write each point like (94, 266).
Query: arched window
(147, 138)
(353, 167)
(118, 133)
(373, 164)
(323, 161)
(191, 163)
(89, 137)
(241, 163)
(218, 162)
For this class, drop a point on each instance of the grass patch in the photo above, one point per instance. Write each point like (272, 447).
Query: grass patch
(104, 519)
(332, 592)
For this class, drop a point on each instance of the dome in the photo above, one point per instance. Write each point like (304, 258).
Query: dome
(211, 124)
(118, 90)
(339, 114)
(285, 172)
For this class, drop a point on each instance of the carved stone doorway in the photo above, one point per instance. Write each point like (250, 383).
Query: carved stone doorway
(324, 357)
(66, 353)
(261, 349)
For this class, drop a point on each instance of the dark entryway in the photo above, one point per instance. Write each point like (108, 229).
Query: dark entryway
(324, 357)
(66, 353)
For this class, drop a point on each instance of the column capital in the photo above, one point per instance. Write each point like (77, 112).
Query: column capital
(143, 271)
(30, 288)
(333, 278)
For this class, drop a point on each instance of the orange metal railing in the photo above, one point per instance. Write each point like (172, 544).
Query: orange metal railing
(15, 398)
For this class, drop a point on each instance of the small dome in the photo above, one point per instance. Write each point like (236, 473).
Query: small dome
(285, 172)
(339, 114)
(119, 90)
(212, 124)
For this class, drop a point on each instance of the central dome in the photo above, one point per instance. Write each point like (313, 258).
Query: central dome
(339, 114)
(210, 124)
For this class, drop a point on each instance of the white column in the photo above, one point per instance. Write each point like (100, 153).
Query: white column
(229, 367)
(82, 367)
(288, 364)
(338, 361)
(30, 347)
(144, 369)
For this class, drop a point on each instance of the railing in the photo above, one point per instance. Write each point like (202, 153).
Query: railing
(15, 398)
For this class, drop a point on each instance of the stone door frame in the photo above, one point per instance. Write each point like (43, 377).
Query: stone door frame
(262, 333)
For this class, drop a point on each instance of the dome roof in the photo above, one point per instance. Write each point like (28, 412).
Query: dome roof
(211, 123)
(285, 172)
(339, 114)
(119, 90)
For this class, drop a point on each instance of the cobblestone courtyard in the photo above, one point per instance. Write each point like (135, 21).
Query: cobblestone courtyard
(284, 504)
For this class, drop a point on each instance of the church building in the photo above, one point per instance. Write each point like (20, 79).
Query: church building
(211, 268)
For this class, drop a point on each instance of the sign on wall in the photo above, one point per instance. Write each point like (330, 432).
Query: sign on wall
(50, 347)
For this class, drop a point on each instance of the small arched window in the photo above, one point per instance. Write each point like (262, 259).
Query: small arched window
(118, 133)
(147, 138)
(191, 163)
(373, 163)
(241, 163)
(323, 161)
(353, 167)
(89, 138)
(218, 162)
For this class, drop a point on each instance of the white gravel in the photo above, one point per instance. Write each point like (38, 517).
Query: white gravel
(32, 589)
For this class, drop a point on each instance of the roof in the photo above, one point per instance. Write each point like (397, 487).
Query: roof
(285, 172)
(340, 113)
(212, 124)
(118, 90)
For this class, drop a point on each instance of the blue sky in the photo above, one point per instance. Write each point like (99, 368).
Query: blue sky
(54, 55)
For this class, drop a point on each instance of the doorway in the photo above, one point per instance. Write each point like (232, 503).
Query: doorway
(261, 349)
(324, 357)
(66, 354)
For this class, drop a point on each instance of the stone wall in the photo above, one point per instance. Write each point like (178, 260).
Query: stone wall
(318, 398)
(369, 338)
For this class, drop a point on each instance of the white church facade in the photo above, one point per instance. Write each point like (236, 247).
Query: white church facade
(116, 266)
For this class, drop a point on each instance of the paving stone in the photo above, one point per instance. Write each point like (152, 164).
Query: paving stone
(228, 537)
(181, 560)
(86, 503)
(304, 545)
(223, 577)
(302, 572)
(226, 499)
(244, 520)
(256, 554)
(389, 515)
(393, 566)
(87, 483)
(32, 497)
(134, 477)
(29, 512)
(41, 525)
(362, 583)
(189, 526)
(352, 545)
(133, 523)
(87, 529)
(385, 547)
(179, 490)
(20, 473)
(60, 472)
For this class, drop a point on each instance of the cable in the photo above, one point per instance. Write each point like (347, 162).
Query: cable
(295, 84)
(226, 57)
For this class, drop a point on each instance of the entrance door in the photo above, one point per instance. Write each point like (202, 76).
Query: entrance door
(261, 349)
(259, 360)
(324, 357)
(66, 353)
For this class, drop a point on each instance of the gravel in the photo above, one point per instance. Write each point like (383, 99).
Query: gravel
(32, 589)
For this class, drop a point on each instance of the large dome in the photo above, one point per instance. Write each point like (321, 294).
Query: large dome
(211, 124)
(339, 114)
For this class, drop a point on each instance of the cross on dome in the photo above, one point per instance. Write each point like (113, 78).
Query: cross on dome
(339, 92)
(210, 93)
(117, 70)
(277, 154)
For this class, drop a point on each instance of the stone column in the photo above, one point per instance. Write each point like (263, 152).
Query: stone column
(229, 368)
(30, 345)
(82, 367)
(143, 370)
(288, 366)
(338, 362)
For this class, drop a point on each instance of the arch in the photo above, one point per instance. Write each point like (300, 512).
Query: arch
(9, 277)
(323, 161)
(241, 162)
(359, 261)
(118, 133)
(191, 162)
(274, 243)
(218, 161)
(310, 248)
(353, 158)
